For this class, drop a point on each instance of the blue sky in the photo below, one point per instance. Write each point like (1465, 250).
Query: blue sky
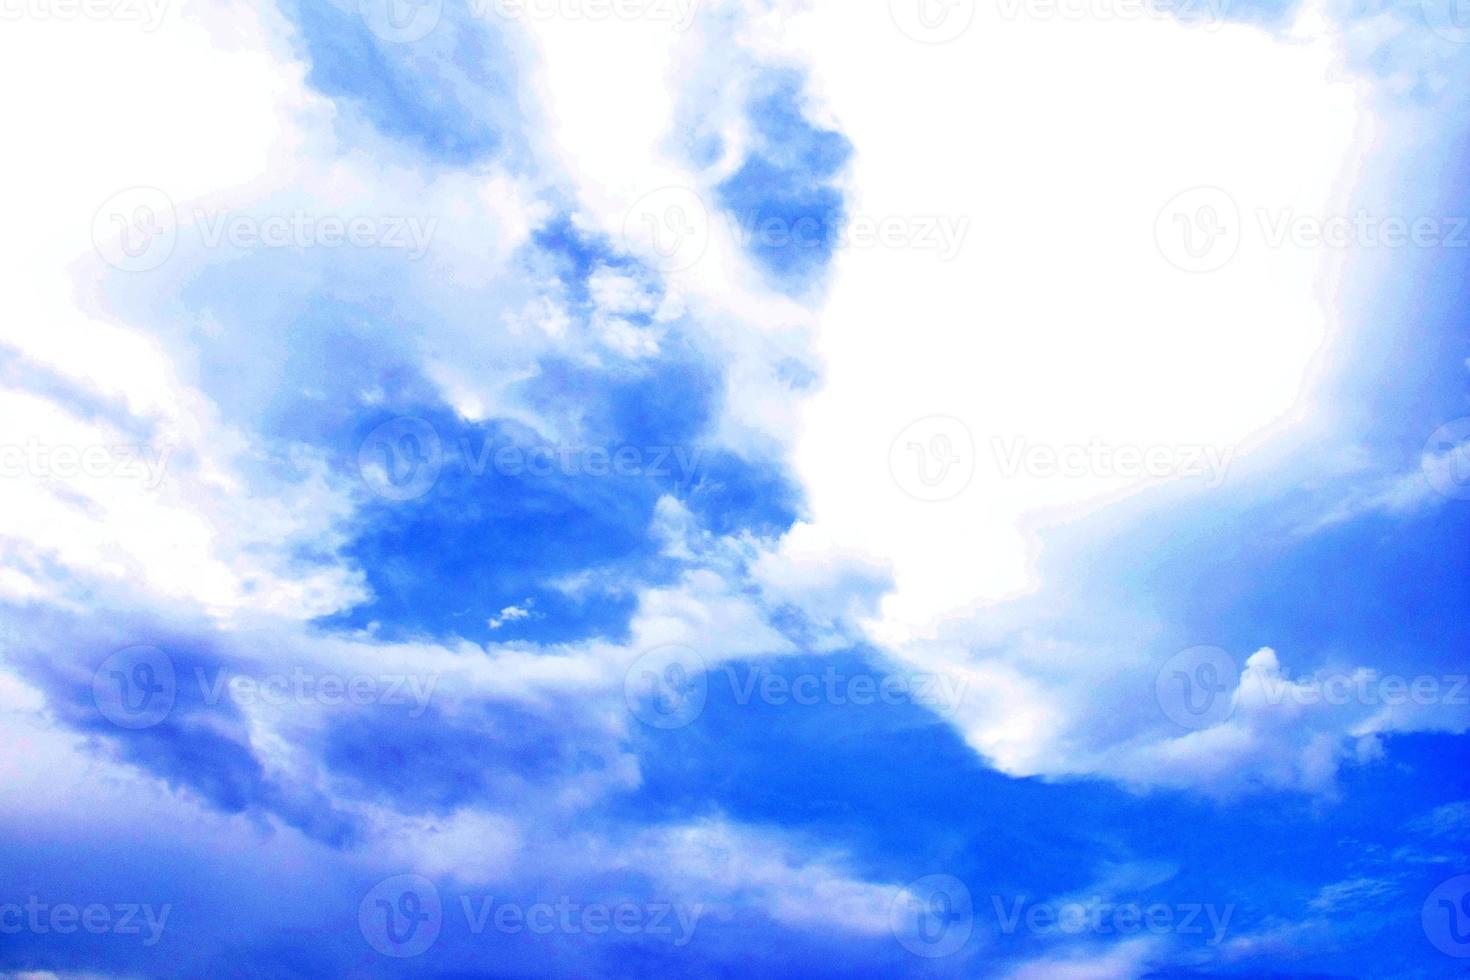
(735, 488)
